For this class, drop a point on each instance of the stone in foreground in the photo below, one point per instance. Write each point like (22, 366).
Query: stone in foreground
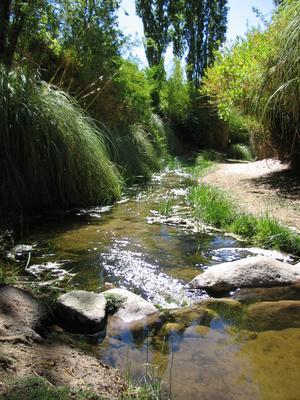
(249, 272)
(132, 308)
(81, 311)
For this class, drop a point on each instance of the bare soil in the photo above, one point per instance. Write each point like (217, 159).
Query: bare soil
(24, 352)
(261, 187)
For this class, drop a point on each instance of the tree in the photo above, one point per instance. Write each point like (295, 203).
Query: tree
(155, 17)
(197, 27)
(205, 30)
(12, 19)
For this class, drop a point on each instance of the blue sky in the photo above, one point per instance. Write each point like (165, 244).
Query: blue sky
(240, 16)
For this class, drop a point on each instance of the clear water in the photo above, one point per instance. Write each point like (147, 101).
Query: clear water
(121, 245)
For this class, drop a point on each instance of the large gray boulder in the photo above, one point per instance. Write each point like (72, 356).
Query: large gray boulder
(81, 311)
(256, 271)
(131, 306)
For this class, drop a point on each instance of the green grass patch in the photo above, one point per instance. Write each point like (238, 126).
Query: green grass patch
(213, 206)
(38, 388)
(166, 208)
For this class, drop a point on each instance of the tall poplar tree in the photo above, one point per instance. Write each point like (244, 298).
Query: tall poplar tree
(194, 27)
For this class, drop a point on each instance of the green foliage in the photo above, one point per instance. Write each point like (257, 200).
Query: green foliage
(239, 152)
(134, 93)
(166, 208)
(213, 206)
(238, 129)
(139, 149)
(204, 161)
(197, 28)
(270, 234)
(39, 388)
(244, 225)
(175, 95)
(52, 155)
(258, 79)
(113, 302)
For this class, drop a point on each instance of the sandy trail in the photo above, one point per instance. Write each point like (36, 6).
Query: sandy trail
(261, 187)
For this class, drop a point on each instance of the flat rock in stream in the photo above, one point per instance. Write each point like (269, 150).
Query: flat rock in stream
(81, 311)
(249, 272)
(253, 295)
(132, 307)
(274, 315)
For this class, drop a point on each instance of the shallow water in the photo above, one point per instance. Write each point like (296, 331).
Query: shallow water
(128, 246)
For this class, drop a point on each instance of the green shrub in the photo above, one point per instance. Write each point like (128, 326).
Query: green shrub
(52, 154)
(239, 152)
(258, 78)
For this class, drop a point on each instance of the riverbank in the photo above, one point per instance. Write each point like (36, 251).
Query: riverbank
(150, 243)
(260, 187)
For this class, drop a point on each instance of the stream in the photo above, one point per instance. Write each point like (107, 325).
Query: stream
(149, 243)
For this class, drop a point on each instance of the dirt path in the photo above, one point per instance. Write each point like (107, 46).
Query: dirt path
(261, 187)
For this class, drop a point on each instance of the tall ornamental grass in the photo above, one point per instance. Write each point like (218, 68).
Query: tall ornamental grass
(140, 149)
(52, 155)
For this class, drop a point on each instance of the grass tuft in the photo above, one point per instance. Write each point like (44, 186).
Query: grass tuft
(213, 206)
(52, 155)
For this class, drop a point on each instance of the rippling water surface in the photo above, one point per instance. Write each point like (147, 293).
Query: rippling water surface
(148, 243)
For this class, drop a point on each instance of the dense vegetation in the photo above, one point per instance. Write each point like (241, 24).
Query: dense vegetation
(257, 82)
(78, 121)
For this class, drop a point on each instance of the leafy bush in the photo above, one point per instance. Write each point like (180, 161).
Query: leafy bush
(258, 78)
(53, 155)
(240, 152)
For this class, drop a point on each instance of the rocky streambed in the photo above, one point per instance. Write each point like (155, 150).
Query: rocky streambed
(217, 319)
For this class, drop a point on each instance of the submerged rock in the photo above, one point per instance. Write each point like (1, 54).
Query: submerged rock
(249, 272)
(253, 295)
(81, 311)
(227, 309)
(276, 315)
(197, 314)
